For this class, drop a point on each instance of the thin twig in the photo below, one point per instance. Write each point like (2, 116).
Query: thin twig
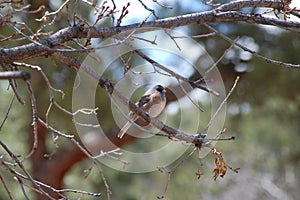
(162, 5)
(34, 120)
(54, 130)
(47, 14)
(6, 187)
(190, 98)
(156, 64)
(13, 85)
(196, 36)
(108, 191)
(39, 69)
(172, 170)
(219, 60)
(59, 192)
(222, 104)
(22, 188)
(268, 60)
(14, 157)
(7, 112)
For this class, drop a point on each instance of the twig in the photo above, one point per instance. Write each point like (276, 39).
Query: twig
(54, 130)
(25, 9)
(47, 14)
(108, 191)
(149, 9)
(14, 88)
(219, 60)
(13, 85)
(39, 69)
(171, 171)
(210, 3)
(51, 90)
(173, 39)
(14, 157)
(222, 104)
(196, 36)
(7, 112)
(156, 64)
(268, 60)
(124, 12)
(190, 98)
(18, 31)
(34, 120)
(162, 5)
(79, 191)
(6, 187)
(22, 188)
(59, 192)
(143, 39)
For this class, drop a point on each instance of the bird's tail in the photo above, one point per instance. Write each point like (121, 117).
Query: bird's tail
(124, 130)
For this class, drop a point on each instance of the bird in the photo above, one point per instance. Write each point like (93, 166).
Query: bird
(153, 102)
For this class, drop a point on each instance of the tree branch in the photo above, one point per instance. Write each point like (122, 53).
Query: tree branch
(112, 92)
(53, 43)
(250, 3)
(15, 75)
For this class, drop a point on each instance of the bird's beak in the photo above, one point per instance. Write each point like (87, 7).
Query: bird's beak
(164, 91)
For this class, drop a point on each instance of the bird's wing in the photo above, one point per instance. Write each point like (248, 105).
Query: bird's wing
(143, 100)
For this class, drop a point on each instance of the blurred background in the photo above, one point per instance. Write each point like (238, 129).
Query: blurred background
(263, 113)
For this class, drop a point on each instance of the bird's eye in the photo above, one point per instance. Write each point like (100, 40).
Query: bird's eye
(160, 88)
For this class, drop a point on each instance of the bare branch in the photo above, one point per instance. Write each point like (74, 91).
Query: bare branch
(235, 5)
(268, 60)
(15, 75)
(172, 170)
(7, 112)
(193, 83)
(6, 187)
(14, 157)
(59, 192)
(34, 119)
(108, 86)
(49, 45)
(222, 104)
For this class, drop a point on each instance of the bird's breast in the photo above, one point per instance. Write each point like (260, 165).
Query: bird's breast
(156, 109)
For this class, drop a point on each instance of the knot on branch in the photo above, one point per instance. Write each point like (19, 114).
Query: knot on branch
(106, 84)
(25, 75)
(199, 140)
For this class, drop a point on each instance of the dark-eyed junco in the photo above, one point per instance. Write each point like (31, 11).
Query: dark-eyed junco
(152, 102)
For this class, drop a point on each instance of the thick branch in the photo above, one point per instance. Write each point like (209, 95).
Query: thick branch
(15, 75)
(250, 3)
(50, 45)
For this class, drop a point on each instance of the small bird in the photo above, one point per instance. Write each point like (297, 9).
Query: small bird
(152, 102)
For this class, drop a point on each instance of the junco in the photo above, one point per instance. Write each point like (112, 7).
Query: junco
(152, 102)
